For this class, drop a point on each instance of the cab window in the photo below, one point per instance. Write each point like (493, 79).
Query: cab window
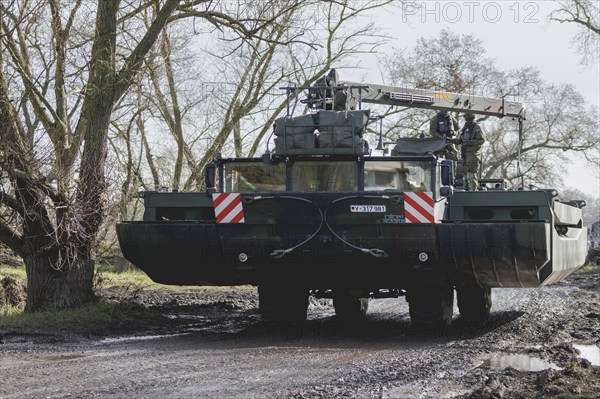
(394, 175)
(254, 176)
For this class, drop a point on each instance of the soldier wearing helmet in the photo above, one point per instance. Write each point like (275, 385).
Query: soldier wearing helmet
(444, 125)
(471, 138)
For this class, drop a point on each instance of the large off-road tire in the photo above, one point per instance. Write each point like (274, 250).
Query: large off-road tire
(349, 307)
(282, 303)
(430, 306)
(474, 302)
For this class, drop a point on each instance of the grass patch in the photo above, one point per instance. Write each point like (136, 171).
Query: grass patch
(106, 277)
(101, 317)
(17, 272)
(134, 280)
(10, 310)
(96, 318)
(590, 269)
(12, 290)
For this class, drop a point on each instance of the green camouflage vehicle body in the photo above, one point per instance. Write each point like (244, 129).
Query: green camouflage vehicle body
(321, 216)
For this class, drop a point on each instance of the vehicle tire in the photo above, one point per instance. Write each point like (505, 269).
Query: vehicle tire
(349, 307)
(280, 303)
(431, 306)
(474, 302)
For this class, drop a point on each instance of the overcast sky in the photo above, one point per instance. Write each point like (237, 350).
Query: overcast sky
(514, 33)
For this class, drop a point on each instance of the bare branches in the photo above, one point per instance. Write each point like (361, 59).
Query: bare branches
(44, 110)
(448, 62)
(582, 12)
(172, 115)
(585, 14)
(557, 125)
(61, 69)
(343, 39)
(133, 63)
(11, 238)
(558, 120)
(60, 40)
(268, 13)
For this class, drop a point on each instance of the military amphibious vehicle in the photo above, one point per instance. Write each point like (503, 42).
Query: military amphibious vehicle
(320, 214)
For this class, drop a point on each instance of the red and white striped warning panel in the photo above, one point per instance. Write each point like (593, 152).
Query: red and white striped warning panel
(418, 207)
(228, 207)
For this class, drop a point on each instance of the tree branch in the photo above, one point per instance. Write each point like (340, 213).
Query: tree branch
(11, 239)
(133, 63)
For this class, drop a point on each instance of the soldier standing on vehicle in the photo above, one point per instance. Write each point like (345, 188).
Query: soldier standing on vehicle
(444, 125)
(471, 139)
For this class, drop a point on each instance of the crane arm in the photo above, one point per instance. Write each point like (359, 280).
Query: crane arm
(430, 99)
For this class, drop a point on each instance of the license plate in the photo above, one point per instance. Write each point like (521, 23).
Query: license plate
(367, 208)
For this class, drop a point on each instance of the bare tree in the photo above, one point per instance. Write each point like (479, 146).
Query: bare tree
(246, 80)
(558, 124)
(558, 120)
(586, 15)
(54, 185)
(341, 39)
(449, 62)
(60, 80)
(245, 95)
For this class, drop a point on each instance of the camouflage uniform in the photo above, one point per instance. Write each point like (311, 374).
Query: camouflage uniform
(471, 139)
(444, 125)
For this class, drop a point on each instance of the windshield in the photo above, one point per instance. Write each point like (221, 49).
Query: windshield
(254, 176)
(325, 176)
(395, 175)
(318, 176)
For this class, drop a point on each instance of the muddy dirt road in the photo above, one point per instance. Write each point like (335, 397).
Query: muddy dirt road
(215, 347)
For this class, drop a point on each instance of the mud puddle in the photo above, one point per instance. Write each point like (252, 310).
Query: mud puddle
(113, 340)
(590, 352)
(520, 362)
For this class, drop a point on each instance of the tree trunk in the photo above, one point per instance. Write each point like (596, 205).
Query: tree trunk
(53, 220)
(51, 286)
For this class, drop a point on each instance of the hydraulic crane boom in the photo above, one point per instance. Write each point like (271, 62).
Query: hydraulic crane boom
(430, 99)
(329, 92)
